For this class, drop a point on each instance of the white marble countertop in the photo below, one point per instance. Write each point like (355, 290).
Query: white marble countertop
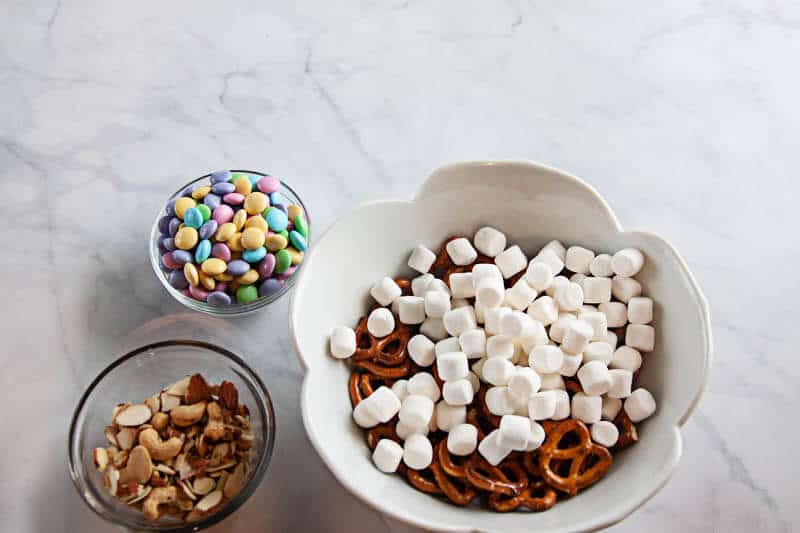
(683, 115)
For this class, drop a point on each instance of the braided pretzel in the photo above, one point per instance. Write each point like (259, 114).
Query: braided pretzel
(628, 436)
(490, 478)
(569, 441)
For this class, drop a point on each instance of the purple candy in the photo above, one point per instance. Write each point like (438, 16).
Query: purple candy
(221, 286)
(163, 225)
(174, 226)
(218, 298)
(182, 256)
(223, 188)
(233, 198)
(212, 200)
(170, 209)
(222, 214)
(161, 248)
(220, 176)
(287, 274)
(187, 191)
(197, 293)
(169, 243)
(177, 279)
(268, 184)
(237, 267)
(281, 207)
(270, 286)
(266, 266)
(169, 262)
(208, 229)
(221, 251)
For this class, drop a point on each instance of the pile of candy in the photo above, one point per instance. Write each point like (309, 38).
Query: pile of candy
(232, 240)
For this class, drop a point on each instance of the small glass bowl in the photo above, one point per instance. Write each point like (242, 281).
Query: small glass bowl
(140, 374)
(236, 309)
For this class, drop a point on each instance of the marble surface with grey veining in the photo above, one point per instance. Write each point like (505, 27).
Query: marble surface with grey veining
(684, 115)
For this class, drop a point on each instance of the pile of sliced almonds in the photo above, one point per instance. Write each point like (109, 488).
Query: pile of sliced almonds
(181, 452)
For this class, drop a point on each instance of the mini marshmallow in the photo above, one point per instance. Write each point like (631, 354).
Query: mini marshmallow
(511, 261)
(562, 405)
(450, 344)
(627, 262)
(595, 378)
(552, 382)
(558, 282)
(624, 289)
(585, 408)
(610, 339)
(559, 327)
(461, 285)
(535, 437)
(423, 384)
(569, 296)
(343, 342)
(616, 313)
(437, 304)
(640, 310)
(473, 343)
(621, 381)
(421, 350)
(485, 270)
(514, 432)
(611, 408)
(449, 416)
(383, 404)
(601, 266)
(417, 452)
(639, 405)
(497, 371)
(421, 259)
(461, 251)
(577, 335)
(385, 291)
(416, 410)
(404, 430)
(434, 329)
(544, 309)
(395, 308)
(457, 321)
(598, 351)
(539, 275)
(579, 259)
(534, 336)
(596, 290)
(380, 322)
(480, 312)
(516, 324)
(411, 309)
(460, 391)
(400, 389)
(473, 379)
(597, 320)
(551, 259)
(524, 382)
(493, 319)
(452, 366)
(626, 358)
(546, 359)
(387, 455)
(571, 364)
(420, 284)
(362, 415)
(489, 241)
(499, 401)
(640, 336)
(542, 405)
(436, 285)
(490, 291)
(500, 346)
(578, 279)
(604, 433)
(491, 450)
(588, 308)
(556, 247)
(462, 439)
(520, 295)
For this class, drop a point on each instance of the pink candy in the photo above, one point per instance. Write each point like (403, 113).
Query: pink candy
(168, 261)
(233, 198)
(197, 293)
(268, 184)
(221, 251)
(222, 214)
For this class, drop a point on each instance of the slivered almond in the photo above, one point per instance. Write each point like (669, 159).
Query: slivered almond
(143, 492)
(100, 456)
(134, 415)
(221, 467)
(126, 437)
(203, 485)
(164, 469)
(169, 402)
(111, 435)
(235, 481)
(187, 490)
(209, 501)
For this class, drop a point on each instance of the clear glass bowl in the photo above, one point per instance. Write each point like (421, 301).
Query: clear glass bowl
(236, 309)
(136, 376)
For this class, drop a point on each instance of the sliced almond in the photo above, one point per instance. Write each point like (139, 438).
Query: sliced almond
(117, 409)
(203, 485)
(134, 415)
(169, 402)
(139, 464)
(126, 437)
(100, 456)
(235, 481)
(143, 492)
(120, 459)
(178, 388)
(164, 469)
(222, 478)
(111, 480)
(209, 501)
(111, 435)
(153, 403)
(187, 490)
(221, 467)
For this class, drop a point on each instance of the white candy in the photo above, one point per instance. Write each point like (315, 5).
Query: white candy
(421, 259)
(610, 339)
(611, 407)
(499, 401)
(362, 416)
(489, 241)
(640, 310)
(524, 382)
(514, 432)
(626, 358)
(511, 261)
(597, 321)
(559, 327)
(449, 416)
(569, 296)
(596, 290)
(588, 308)
(416, 410)
(552, 382)
(542, 405)
(385, 291)
(558, 282)
(491, 450)
(516, 324)
(461, 251)
(420, 284)
(400, 389)
(598, 351)
(433, 328)
(579, 259)
(571, 364)
(601, 266)
(586, 408)
(627, 262)
(423, 384)
(490, 291)
(382, 404)
(387, 455)
(493, 319)
(577, 335)
(604, 433)
(473, 379)
(411, 309)
(450, 344)
(343, 342)
(621, 381)
(473, 343)
(520, 295)
(616, 314)
(595, 378)
(380, 322)
(546, 359)
(578, 278)
(639, 405)
(461, 285)
(556, 247)
(485, 270)
(544, 309)
(562, 405)
(417, 452)
(462, 439)
(421, 350)
(497, 371)
(437, 304)
(551, 259)
(500, 346)
(460, 391)
(480, 312)
(624, 289)
(640, 336)
(452, 366)
(539, 275)
(404, 430)
(535, 437)
(535, 336)
(395, 308)
(437, 285)
(459, 320)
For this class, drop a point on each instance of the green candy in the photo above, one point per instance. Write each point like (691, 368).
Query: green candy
(237, 175)
(205, 211)
(246, 294)
(301, 225)
(265, 211)
(282, 261)
(284, 234)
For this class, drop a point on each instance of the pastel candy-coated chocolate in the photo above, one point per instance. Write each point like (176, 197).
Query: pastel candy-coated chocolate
(220, 176)
(203, 251)
(222, 188)
(193, 218)
(242, 184)
(256, 202)
(266, 266)
(208, 229)
(277, 220)
(301, 225)
(270, 286)
(298, 241)
(161, 248)
(177, 279)
(182, 256)
(233, 198)
(218, 297)
(174, 226)
(237, 267)
(268, 184)
(286, 275)
(214, 266)
(275, 242)
(200, 192)
(205, 211)
(169, 262)
(169, 243)
(170, 209)
(294, 211)
(254, 180)
(254, 256)
(246, 294)
(198, 293)
(281, 207)
(182, 204)
(282, 261)
(186, 238)
(222, 214)
(163, 225)
(221, 251)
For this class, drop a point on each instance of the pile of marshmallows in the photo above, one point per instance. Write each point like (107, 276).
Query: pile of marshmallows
(504, 331)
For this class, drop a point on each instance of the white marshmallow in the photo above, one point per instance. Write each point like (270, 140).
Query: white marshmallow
(627, 262)
(624, 289)
(499, 401)
(437, 304)
(493, 319)
(569, 296)
(535, 437)
(449, 416)
(558, 282)
(539, 275)
(610, 339)
(380, 322)
(544, 309)
(640, 310)
(423, 384)
(417, 452)
(491, 450)
(462, 439)
(490, 291)
(621, 382)
(586, 408)
(511, 261)
(480, 312)
(500, 346)
(395, 308)
(546, 359)
(601, 266)
(416, 410)
(542, 405)
(385, 291)
(473, 343)
(626, 358)
(577, 336)
(552, 382)
(497, 371)
(400, 389)
(514, 432)
(524, 382)
(562, 405)
(387, 455)
(343, 342)
(489, 241)
(485, 270)
(595, 379)
(459, 320)
(420, 284)
(461, 251)
(616, 314)
(559, 327)
(604, 433)
(421, 259)
(450, 344)
(597, 320)
(452, 366)
(362, 415)
(611, 407)
(640, 336)
(382, 404)
(579, 259)
(639, 405)
(520, 295)
(571, 364)
(556, 247)
(598, 351)
(516, 324)
(578, 279)
(411, 309)
(433, 328)
(596, 290)
(459, 392)
(421, 350)
(588, 308)
(534, 336)
(461, 285)
(551, 259)
(436, 285)
(473, 379)
(404, 430)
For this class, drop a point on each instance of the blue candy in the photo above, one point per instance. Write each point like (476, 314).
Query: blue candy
(174, 226)
(254, 180)
(237, 267)
(277, 220)
(208, 229)
(298, 241)
(254, 256)
(202, 252)
(220, 176)
(212, 200)
(218, 298)
(222, 188)
(193, 218)
(177, 279)
(182, 256)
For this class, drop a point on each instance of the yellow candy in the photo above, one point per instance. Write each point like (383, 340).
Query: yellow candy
(275, 242)
(257, 222)
(243, 185)
(201, 192)
(207, 281)
(214, 266)
(186, 238)
(223, 277)
(190, 271)
(253, 238)
(225, 232)
(182, 204)
(296, 255)
(293, 211)
(239, 219)
(235, 243)
(248, 278)
(255, 203)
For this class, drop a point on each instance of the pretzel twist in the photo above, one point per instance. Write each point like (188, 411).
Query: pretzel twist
(568, 443)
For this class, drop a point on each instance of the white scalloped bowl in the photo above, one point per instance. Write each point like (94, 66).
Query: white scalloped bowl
(532, 204)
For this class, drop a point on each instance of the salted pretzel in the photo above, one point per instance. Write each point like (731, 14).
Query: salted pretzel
(568, 459)
(538, 496)
(423, 480)
(457, 490)
(628, 436)
(388, 351)
(451, 466)
(490, 478)
(381, 431)
(361, 385)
